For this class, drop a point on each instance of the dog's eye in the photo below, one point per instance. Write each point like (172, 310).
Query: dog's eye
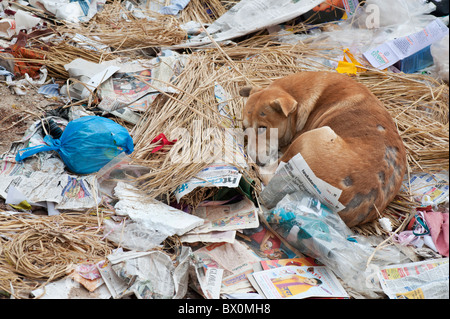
(261, 129)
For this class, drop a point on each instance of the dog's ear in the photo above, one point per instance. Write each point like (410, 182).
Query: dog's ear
(248, 90)
(285, 105)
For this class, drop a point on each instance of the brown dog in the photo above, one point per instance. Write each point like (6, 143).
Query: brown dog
(342, 131)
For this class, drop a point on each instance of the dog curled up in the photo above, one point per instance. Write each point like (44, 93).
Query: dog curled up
(341, 129)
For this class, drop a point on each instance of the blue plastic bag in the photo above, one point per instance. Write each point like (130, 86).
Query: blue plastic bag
(86, 145)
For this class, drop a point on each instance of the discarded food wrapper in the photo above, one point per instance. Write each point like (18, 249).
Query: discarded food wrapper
(87, 144)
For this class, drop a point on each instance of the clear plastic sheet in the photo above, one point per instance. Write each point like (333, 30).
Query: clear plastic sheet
(315, 231)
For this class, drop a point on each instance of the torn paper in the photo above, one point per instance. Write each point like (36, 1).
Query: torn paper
(297, 175)
(252, 15)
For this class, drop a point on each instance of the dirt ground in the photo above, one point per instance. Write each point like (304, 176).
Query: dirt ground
(17, 113)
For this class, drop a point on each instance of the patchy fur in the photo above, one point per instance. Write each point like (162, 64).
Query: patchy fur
(342, 131)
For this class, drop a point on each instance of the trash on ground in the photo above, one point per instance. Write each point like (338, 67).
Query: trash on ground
(86, 144)
(298, 282)
(421, 280)
(135, 180)
(148, 223)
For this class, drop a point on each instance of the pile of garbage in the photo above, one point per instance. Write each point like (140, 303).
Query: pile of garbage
(140, 164)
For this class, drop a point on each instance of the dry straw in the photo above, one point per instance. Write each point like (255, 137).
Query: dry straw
(118, 28)
(205, 11)
(194, 110)
(38, 249)
(418, 104)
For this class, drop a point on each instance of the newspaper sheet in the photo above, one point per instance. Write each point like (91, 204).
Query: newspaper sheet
(435, 187)
(298, 282)
(211, 237)
(266, 244)
(216, 175)
(252, 15)
(236, 260)
(389, 53)
(67, 191)
(207, 281)
(240, 215)
(427, 279)
(223, 172)
(303, 261)
(147, 275)
(135, 80)
(89, 74)
(296, 175)
(150, 221)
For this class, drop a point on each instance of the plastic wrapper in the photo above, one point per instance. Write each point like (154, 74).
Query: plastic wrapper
(394, 14)
(439, 52)
(314, 230)
(373, 24)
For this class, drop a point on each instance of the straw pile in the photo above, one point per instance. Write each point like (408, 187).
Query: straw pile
(418, 104)
(205, 11)
(44, 248)
(186, 117)
(118, 28)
